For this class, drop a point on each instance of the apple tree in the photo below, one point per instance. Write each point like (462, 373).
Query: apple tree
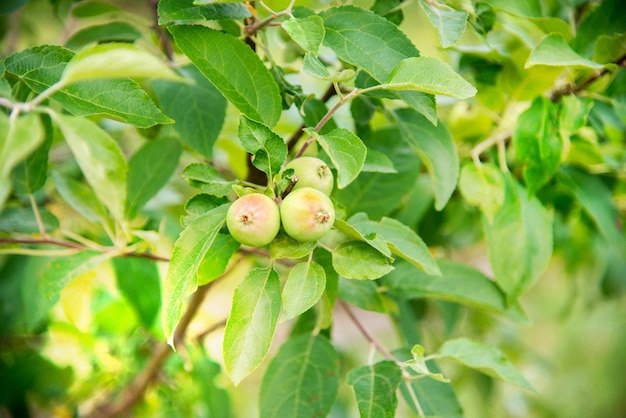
(301, 209)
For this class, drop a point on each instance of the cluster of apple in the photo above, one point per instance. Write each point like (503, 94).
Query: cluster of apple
(306, 213)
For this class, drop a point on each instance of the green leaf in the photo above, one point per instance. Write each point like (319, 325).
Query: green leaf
(121, 99)
(99, 158)
(18, 139)
(484, 358)
(302, 380)
(61, 271)
(436, 398)
(366, 40)
(402, 241)
(377, 162)
(314, 66)
(189, 251)
(537, 143)
(375, 389)
(80, 197)
(482, 186)
(41, 67)
(115, 60)
(197, 107)
(252, 322)
(93, 8)
(450, 23)
(419, 366)
(437, 150)
(601, 21)
(308, 32)
(429, 75)
(234, 69)
(361, 293)
(31, 174)
(138, 279)
(553, 50)
(303, 289)
(375, 240)
(22, 220)
(358, 260)
(598, 201)
(217, 258)
(108, 32)
(283, 246)
(520, 241)
(149, 169)
(389, 9)
(459, 283)
(371, 42)
(346, 151)
(206, 178)
(171, 11)
(269, 149)
(379, 194)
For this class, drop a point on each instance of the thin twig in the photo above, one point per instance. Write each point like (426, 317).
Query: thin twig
(577, 88)
(369, 337)
(164, 41)
(40, 225)
(374, 343)
(81, 247)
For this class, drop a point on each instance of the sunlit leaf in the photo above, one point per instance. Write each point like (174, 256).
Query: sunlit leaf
(346, 151)
(358, 260)
(553, 50)
(303, 289)
(484, 358)
(252, 322)
(234, 69)
(429, 75)
(450, 23)
(308, 32)
(100, 159)
(189, 251)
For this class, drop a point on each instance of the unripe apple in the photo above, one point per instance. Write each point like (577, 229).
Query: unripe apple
(253, 219)
(312, 172)
(307, 214)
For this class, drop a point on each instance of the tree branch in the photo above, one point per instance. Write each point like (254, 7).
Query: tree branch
(164, 41)
(577, 88)
(80, 247)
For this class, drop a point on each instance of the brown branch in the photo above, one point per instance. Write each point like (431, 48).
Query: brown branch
(293, 139)
(369, 337)
(164, 40)
(577, 88)
(77, 246)
(134, 392)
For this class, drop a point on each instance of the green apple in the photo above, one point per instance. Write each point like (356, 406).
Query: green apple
(307, 214)
(312, 172)
(253, 219)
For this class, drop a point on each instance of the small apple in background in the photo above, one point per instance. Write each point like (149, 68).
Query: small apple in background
(253, 219)
(307, 214)
(312, 172)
